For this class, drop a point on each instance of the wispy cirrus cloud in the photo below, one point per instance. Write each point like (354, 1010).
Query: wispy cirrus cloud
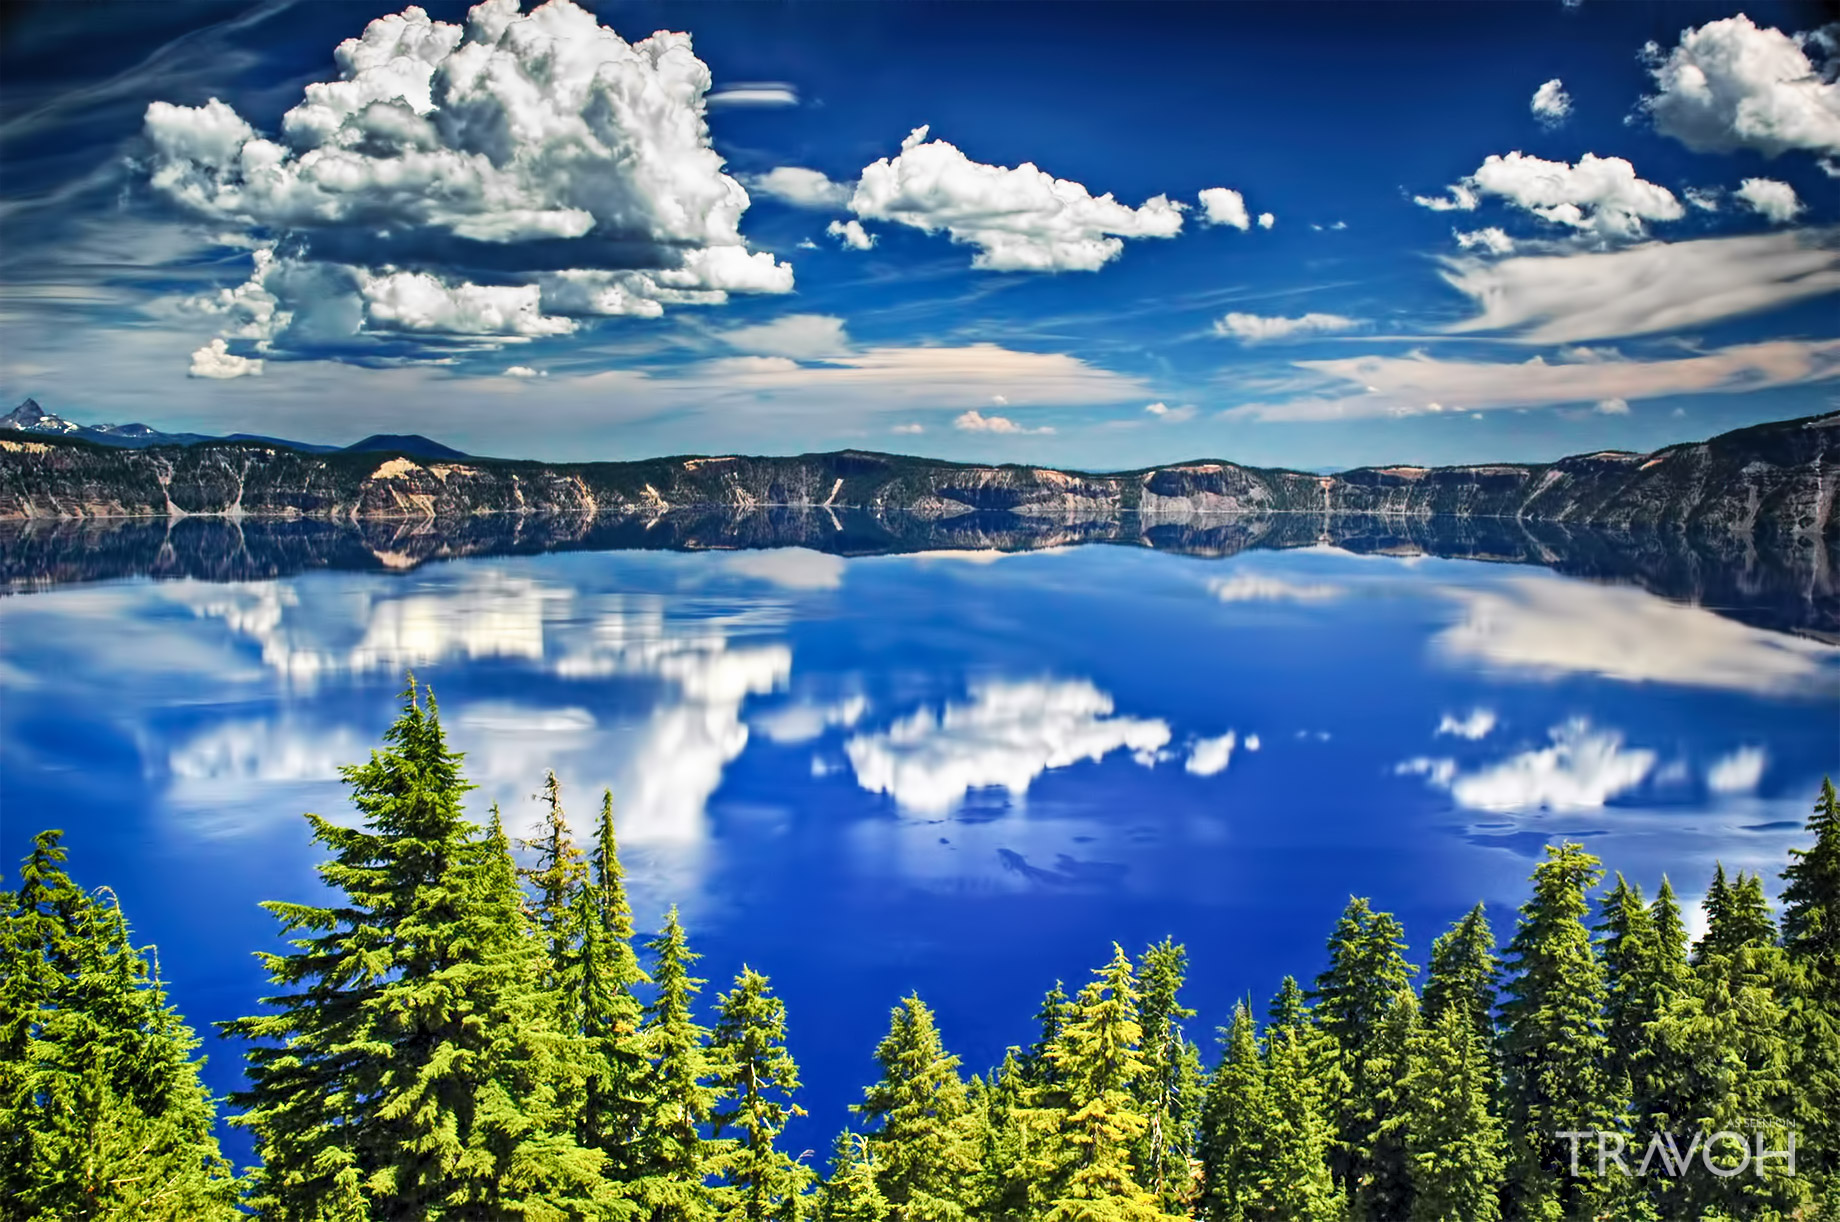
(1420, 384)
(1641, 290)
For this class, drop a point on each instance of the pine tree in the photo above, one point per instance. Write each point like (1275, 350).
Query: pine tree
(1290, 1009)
(412, 1066)
(1716, 906)
(1049, 1019)
(102, 1113)
(1627, 946)
(1724, 1040)
(1367, 969)
(1811, 939)
(617, 1105)
(1553, 1040)
(921, 1148)
(1453, 1141)
(755, 1079)
(1099, 1056)
(1235, 1124)
(1296, 1181)
(673, 1157)
(559, 875)
(1169, 1092)
(1462, 975)
(1384, 1189)
(852, 1193)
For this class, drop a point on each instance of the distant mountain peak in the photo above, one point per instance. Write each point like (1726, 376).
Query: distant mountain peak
(32, 418)
(413, 444)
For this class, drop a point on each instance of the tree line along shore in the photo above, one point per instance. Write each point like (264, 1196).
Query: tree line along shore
(461, 1032)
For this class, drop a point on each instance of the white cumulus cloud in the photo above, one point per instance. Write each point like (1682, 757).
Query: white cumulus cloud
(1732, 84)
(1209, 756)
(1004, 736)
(1019, 218)
(1738, 772)
(1255, 328)
(1773, 200)
(800, 336)
(525, 371)
(851, 234)
(1224, 206)
(801, 188)
(974, 421)
(1599, 196)
(1581, 770)
(1474, 725)
(1491, 240)
(1267, 220)
(540, 143)
(215, 360)
(1551, 104)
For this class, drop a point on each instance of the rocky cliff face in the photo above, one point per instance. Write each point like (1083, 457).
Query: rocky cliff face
(1773, 480)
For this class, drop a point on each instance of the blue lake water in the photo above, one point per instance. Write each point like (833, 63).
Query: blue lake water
(963, 773)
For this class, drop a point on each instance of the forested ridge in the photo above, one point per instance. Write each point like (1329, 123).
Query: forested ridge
(456, 1035)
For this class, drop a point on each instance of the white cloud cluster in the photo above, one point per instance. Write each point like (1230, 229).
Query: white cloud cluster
(1210, 756)
(494, 179)
(1773, 200)
(1258, 329)
(665, 755)
(1582, 769)
(1551, 104)
(1658, 286)
(1599, 196)
(974, 421)
(801, 188)
(1004, 736)
(1474, 725)
(215, 360)
(1020, 218)
(1732, 84)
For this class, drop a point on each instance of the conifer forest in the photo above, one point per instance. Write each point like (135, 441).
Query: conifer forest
(472, 1028)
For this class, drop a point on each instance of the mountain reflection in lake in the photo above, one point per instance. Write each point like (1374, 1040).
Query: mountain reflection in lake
(953, 768)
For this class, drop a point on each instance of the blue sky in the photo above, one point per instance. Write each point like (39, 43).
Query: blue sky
(1503, 231)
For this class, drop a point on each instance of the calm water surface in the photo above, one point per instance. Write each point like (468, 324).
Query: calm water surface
(962, 773)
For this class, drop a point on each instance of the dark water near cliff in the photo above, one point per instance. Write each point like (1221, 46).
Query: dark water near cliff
(955, 769)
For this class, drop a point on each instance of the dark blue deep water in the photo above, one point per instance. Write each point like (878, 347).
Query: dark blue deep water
(964, 774)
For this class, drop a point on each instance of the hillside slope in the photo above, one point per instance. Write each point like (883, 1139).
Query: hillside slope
(1776, 479)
